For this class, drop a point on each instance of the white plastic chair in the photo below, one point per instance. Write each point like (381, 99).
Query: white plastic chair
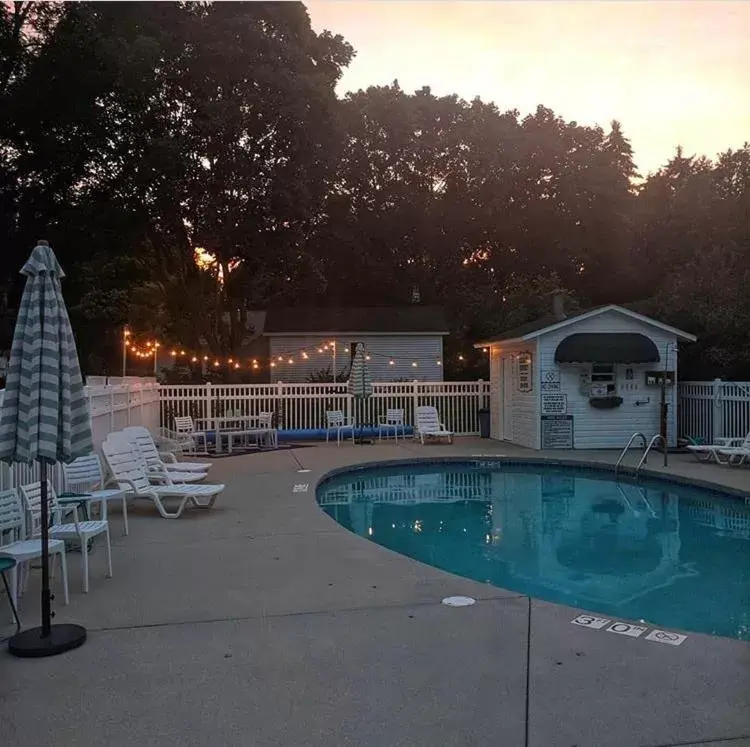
(394, 420)
(86, 475)
(127, 470)
(82, 531)
(335, 420)
(271, 434)
(428, 425)
(729, 448)
(161, 459)
(155, 469)
(13, 545)
(185, 428)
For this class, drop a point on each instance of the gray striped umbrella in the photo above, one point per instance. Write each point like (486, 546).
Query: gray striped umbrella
(360, 382)
(45, 414)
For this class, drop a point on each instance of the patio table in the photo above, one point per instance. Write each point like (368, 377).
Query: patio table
(102, 497)
(230, 424)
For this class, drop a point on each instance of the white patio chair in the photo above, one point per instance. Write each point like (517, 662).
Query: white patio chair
(86, 475)
(335, 420)
(270, 434)
(394, 420)
(142, 436)
(128, 471)
(428, 425)
(82, 531)
(185, 428)
(157, 473)
(13, 545)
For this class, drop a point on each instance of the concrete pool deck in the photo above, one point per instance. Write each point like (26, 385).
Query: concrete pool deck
(263, 622)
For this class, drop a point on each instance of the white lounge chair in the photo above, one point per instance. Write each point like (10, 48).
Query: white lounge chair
(128, 471)
(13, 545)
(82, 531)
(157, 473)
(428, 425)
(142, 436)
(335, 421)
(713, 452)
(735, 455)
(86, 475)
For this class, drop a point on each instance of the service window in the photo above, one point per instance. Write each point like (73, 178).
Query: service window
(603, 380)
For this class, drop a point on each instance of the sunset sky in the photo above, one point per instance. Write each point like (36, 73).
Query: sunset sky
(672, 72)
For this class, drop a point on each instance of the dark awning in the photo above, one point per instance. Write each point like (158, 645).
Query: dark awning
(612, 347)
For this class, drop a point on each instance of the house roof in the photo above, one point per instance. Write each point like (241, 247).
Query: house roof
(415, 319)
(550, 322)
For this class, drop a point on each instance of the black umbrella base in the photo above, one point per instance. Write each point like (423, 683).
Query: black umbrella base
(29, 644)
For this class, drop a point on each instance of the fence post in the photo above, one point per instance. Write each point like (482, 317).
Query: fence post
(414, 399)
(209, 407)
(280, 410)
(717, 421)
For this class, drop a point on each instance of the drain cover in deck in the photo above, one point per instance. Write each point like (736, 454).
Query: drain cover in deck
(458, 601)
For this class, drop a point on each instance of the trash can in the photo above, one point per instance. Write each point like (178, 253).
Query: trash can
(484, 423)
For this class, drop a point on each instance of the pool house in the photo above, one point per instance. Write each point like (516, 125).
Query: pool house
(588, 380)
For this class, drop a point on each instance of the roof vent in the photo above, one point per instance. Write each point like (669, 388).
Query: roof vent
(558, 307)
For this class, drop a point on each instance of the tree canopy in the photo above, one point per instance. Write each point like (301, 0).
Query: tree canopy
(134, 134)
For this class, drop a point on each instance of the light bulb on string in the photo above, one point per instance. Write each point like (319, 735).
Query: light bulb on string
(273, 365)
(391, 362)
(460, 357)
(304, 355)
(413, 364)
(236, 365)
(205, 357)
(216, 364)
(194, 359)
(290, 361)
(439, 363)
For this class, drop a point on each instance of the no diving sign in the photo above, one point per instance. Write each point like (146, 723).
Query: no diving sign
(628, 629)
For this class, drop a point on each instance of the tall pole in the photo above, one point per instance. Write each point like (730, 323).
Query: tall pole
(156, 356)
(125, 335)
(333, 344)
(46, 596)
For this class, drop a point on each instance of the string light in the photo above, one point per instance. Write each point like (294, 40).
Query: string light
(150, 348)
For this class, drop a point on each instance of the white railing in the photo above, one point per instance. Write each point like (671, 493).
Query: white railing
(112, 406)
(303, 406)
(714, 409)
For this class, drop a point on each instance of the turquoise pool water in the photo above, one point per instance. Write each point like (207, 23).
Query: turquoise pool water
(675, 556)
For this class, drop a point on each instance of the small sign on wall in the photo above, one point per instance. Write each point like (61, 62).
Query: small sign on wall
(557, 431)
(554, 404)
(524, 372)
(551, 381)
(655, 378)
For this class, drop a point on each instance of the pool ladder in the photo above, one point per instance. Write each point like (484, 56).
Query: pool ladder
(647, 446)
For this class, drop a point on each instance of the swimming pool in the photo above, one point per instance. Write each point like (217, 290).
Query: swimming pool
(673, 555)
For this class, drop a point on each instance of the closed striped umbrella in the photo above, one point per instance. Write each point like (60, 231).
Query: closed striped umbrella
(360, 383)
(45, 415)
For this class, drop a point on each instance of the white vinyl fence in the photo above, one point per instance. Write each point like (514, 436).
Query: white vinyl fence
(304, 406)
(714, 409)
(116, 405)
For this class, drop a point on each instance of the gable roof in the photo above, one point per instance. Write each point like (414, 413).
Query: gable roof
(415, 319)
(550, 323)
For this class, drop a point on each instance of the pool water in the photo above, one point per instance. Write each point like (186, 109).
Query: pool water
(672, 555)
